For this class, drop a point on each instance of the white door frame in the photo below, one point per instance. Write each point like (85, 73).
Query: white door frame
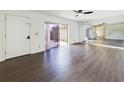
(5, 57)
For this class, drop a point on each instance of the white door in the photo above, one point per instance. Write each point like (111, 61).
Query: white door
(17, 36)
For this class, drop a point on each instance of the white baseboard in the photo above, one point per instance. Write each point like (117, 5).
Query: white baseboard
(1, 60)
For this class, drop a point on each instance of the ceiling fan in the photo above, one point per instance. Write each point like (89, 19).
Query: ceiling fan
(80, 12)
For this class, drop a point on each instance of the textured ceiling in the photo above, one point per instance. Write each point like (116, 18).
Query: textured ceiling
(69, 14)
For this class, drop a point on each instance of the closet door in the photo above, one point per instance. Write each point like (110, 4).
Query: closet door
(17, 36)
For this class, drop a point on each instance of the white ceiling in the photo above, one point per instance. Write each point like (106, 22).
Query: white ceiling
(69, 14)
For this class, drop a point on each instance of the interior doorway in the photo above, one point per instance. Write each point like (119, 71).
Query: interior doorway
(63, 31)
(90, 33)
(95, 32)
(52, 35)
(56, 35)
(99, 29)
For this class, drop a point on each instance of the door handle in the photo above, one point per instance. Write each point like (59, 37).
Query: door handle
(28, 37)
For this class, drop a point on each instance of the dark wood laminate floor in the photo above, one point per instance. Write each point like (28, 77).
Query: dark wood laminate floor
(77, 63)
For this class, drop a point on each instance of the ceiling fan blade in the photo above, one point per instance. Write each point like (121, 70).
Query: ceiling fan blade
(76, 15)
(89, 12)
(76, 11)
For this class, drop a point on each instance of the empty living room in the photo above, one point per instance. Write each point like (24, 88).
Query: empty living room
(61, 45)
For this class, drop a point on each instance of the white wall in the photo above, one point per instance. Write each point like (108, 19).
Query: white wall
(1, 39)
(38, 26)
(107, 20)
